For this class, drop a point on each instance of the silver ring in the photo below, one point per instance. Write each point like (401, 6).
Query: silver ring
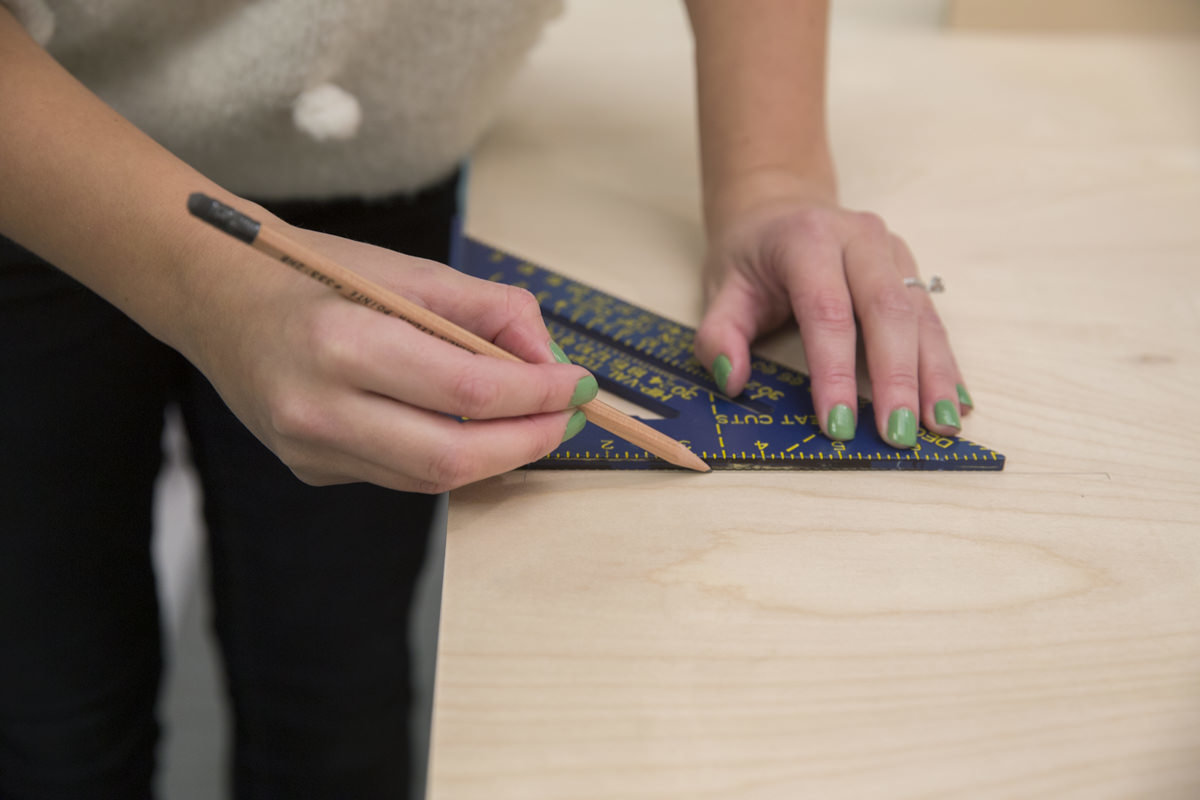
(935, 284)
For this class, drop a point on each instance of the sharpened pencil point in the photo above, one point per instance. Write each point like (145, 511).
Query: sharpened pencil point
(639, 433)
(688, 460)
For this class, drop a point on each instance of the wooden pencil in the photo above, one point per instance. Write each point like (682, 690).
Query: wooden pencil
(364, 292)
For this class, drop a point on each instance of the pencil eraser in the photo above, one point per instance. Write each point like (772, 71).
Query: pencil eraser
(223, 217)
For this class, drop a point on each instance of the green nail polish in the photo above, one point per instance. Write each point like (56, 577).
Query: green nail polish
(944, 413)
(720, 370)
(964, 398)
(841, 423)
(574, 425)
(558, 353)
(585, 390)
(902, 428)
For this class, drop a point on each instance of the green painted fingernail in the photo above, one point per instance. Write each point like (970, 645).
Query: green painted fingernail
(574, 425)
(720, 370)
(841, 423)
(964, 397)
(944, 413)
(902, 428)
(558, 353)
(585, 391)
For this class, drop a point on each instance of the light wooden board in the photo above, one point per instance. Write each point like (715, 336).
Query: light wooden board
(1090, 16)
(1028, 634)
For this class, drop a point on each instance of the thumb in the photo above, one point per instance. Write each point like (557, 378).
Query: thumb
(736, 315)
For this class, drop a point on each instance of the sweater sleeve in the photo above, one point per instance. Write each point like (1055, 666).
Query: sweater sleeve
(35, 15)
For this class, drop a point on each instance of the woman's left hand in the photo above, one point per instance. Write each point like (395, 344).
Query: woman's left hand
(800, 255)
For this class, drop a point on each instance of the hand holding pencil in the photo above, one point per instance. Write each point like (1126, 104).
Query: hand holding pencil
(384, 417)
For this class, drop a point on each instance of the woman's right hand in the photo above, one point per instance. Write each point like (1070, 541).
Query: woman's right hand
(339, 392)
(342, 393)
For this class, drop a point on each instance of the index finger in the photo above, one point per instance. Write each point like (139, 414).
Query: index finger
(508, 316)
(394, 359)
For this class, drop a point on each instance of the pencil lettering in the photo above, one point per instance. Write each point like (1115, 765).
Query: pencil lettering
(311, 272)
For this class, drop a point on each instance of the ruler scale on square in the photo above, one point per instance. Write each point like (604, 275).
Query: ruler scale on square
(648, 360)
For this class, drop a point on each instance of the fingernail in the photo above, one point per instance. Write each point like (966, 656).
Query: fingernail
(558, 353)
(964, 398)
(720, 370)
(574, 425)
(585, 391)
(902, 428)
(944, 413)
(841, 423)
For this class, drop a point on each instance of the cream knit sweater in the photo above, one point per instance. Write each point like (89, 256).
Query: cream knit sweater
(298, 98)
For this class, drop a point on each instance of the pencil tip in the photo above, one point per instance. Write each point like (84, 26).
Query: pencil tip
(692, 461)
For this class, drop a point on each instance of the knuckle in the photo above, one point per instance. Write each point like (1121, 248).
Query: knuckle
(892, 303)
(941, 375)
(450, 467)
(871, 224)
(807, 226)
(295, 417)
(328, 342)
(473, 394)
(903, 381)
(549, 396)
(520, 302)
(831, 310)
(838, 377)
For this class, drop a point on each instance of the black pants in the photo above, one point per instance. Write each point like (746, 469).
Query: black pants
(311, 586)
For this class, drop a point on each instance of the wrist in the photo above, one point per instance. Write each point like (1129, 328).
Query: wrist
(218, 283)
(750, 192)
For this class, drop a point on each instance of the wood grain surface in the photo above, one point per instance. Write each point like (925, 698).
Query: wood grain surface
(1033, 633)
(1081, 16)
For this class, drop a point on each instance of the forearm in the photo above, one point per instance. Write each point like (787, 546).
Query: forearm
(760, 70)
(90, 193)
